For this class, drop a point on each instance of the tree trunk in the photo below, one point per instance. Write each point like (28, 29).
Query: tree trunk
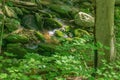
(104, 28)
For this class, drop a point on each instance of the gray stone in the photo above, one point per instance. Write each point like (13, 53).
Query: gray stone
(84, 19)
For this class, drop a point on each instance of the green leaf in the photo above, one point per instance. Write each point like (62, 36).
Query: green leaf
(3, 75)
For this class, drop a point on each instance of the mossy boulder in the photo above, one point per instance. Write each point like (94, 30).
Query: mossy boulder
(17, 38)
(84, 19)
(18, 11)
(80, 32)
(40, 36)
(29, 22)
(61, 9)
(67, 28)
(12, 24)
(17, 49)
(59, 33)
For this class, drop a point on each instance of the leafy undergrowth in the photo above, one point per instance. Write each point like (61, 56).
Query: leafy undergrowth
(72, 61)
(68, 62)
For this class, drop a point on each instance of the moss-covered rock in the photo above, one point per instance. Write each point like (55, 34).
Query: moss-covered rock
(29, 21)
(12, 24)
(59, 33)
(40, 36)
(61, 9)
(80, 32)
(67, 28)
(17, 38)
(17, 10)
(84, 19)
(16, 49)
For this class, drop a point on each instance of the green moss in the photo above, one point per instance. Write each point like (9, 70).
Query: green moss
(29, 22)
(69, 39)
(59, 33)
(46, 49)
(40, 36)
(61, 9)
(17, 10)
(16, 49)
(16, 38)
(51, 23)
(80, 32)
(84, 19)
(12, 24)
(67, 28)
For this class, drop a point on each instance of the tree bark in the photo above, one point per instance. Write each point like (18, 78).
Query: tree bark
(104, 28)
